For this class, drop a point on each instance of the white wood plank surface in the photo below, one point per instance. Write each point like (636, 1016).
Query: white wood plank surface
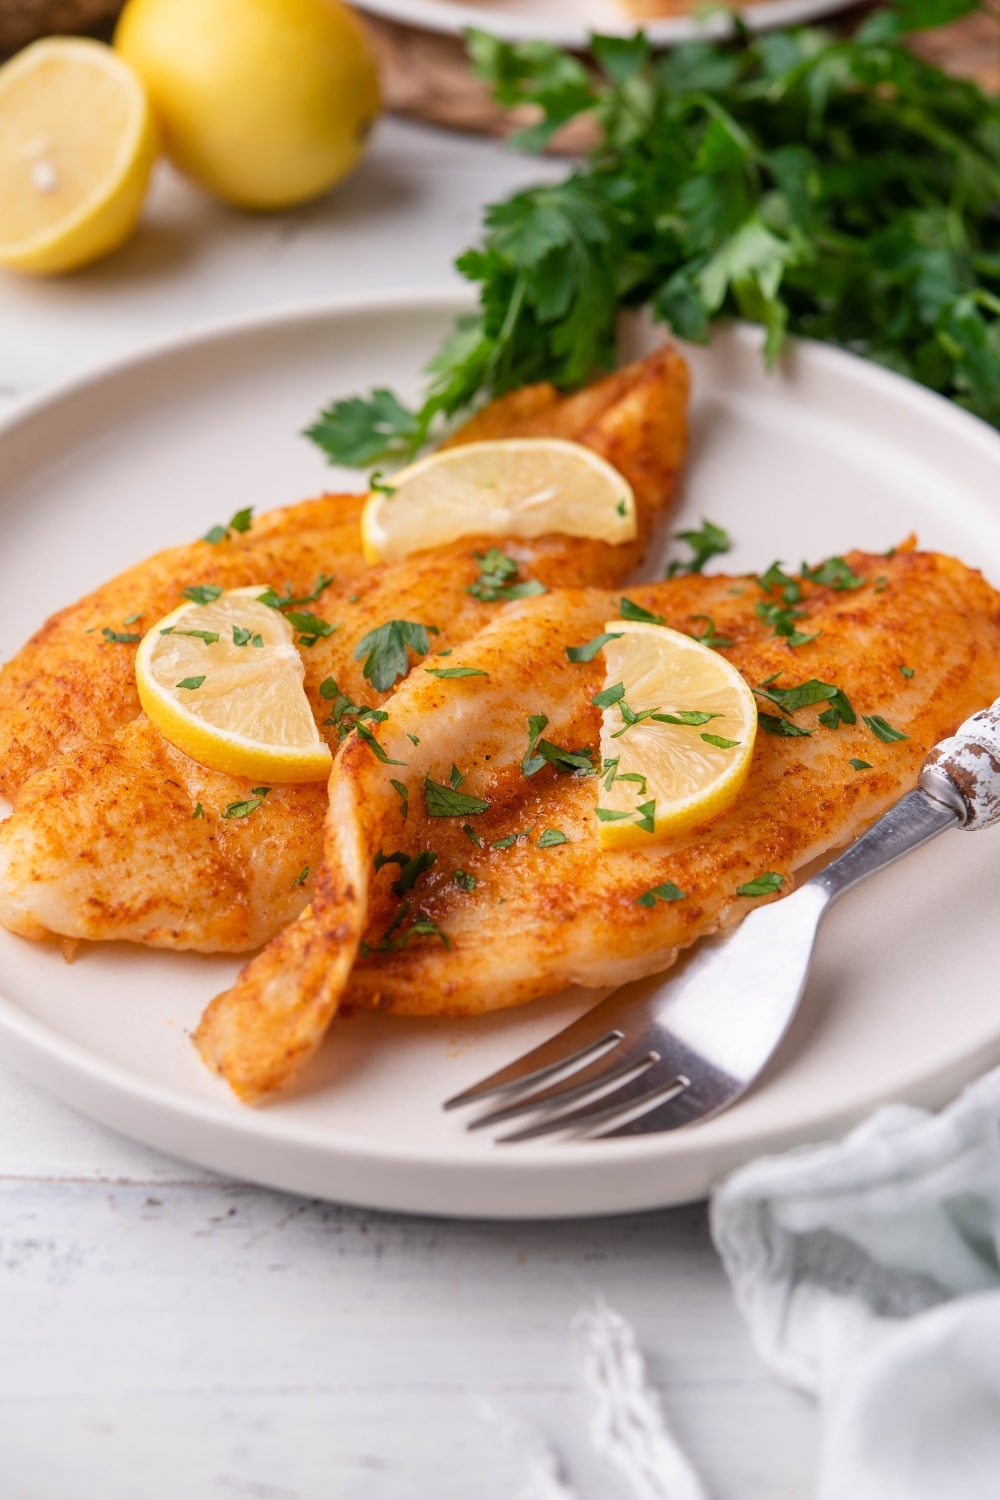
(167, 1334)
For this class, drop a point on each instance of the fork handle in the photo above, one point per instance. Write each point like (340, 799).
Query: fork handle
(959, 787)
(969, 761)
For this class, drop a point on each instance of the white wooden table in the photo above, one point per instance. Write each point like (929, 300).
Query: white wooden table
(168, 1334)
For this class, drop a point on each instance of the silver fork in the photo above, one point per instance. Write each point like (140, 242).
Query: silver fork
(670, 1052)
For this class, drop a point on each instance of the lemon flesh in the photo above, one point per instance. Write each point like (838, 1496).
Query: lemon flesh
(77, 141)
(687, 778)
(249, 715)
(266, 103)
(511, 487)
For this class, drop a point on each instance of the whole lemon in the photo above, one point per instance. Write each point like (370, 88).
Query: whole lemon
(266, 103)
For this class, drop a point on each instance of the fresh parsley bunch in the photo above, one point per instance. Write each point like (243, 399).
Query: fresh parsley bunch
(837, 188)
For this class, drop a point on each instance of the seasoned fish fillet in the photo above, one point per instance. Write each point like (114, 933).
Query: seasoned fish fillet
(69, 685)
(538, 917)
(72, 860)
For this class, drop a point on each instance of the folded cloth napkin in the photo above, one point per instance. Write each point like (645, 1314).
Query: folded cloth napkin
(869, 1273)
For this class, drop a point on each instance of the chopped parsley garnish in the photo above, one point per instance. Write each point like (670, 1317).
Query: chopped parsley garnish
(244, 637)
(629, 717)
(131, 619)
(121, 637)
(202, 593)
(191, 683)
(374, 746)
(392, 939)
(244, 809)
(611, 814)
(860, 765)
(455, 777)
(762, 885)
(781, 614)
(665, 892)
(882, 730)
(465, 880)
(629, 610)
(288, 600)
(645, 816)
(708, 636)
(208, 636)
(610, 773)
(471, 833)
(505, 843)
(790, 700)
(411, 867)
(378, 486)
(907, 671)
(199, 811)
(541, 752)
(239, 522)
(549, 837)
(692, 716)
(835, 573)
(881, 583)
(445, 802)
(498, 579)
(402, 791)
(347, 715)
(608, 696)
(456, 671)
(311, 626)
(709, 542)
(301, 877)
(386, 651)
(719, 741)
(414, 739)
(260, 791)
(589, 650)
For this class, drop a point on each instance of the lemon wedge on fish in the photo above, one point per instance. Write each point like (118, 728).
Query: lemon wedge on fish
(223, 681)
(677, 734)
(77, 142)
(508, 487)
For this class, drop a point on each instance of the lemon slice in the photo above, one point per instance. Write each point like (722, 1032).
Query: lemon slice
(77, 141)
(686, 778)
(231, 695)
(511, 487)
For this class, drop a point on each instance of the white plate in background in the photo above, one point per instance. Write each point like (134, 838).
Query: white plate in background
(569, 23)
(826, 454)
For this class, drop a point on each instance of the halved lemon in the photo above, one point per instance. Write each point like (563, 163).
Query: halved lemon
(77, 142)
(223, 681)
(510, 487)
(682, 729)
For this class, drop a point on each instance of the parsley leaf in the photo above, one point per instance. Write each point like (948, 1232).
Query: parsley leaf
(860, 765)
(762, 885)
(312, 628)
(456, 671)
(124, 637)
(708, 542)
(202, 593)
(445, 802)
(629, 610)
(882, 730)
(834, 573)
(401, 790)
(550, 837)
(375, 747)
(243, 809)
(347, 715)
(240, 522)
(191, 683)
(665, 892)
(411, 867)
(386, 651)
(356, 432)
(589, 650)
(465, 880)
(498, 579)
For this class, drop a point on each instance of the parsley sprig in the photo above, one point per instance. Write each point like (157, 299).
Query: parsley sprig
(834, 187)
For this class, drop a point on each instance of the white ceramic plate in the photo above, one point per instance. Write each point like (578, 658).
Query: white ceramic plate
(569, 23)
(827, 454)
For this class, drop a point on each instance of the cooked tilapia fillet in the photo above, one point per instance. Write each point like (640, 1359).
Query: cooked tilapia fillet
(69, 686)
(542, 918)
(72, 858)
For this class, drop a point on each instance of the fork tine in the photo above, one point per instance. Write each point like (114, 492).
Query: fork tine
(685, 1108)
(606, 1069)
(649, 1084)
(575, 1044)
